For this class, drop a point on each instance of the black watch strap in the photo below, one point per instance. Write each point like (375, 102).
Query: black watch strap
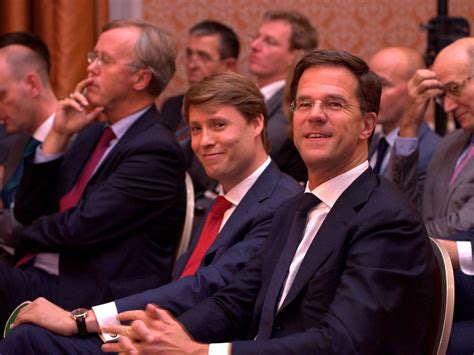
(79, 315)
(81, 325)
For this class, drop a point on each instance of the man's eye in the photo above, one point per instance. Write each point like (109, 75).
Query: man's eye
(452, 87)
(304, 105)
(335, 105)
(105, 60)
(219, 125)
(195, 129)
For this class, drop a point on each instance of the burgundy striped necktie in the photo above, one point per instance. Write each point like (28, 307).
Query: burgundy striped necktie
(72, 197)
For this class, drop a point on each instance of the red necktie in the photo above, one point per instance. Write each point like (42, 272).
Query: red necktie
(462, 163)
(208, 235)
(72, 197)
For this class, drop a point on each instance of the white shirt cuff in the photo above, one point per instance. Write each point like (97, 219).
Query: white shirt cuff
(405, 146)
(219, 349)
(106, 314)
(465, 257)
(42, 157)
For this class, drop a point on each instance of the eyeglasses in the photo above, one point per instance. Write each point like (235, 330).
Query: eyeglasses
(328, 106)
(452, 89)
(104, 60)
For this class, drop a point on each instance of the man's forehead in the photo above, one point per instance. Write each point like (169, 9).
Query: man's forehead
(118, 39)
(276, 28)
(331, 80)
(203, 42)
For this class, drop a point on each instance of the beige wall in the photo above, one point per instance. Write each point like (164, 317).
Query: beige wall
(360, 26)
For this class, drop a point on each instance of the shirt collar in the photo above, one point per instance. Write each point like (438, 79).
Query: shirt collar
(269, 90)
(392, 136)
(237, 193)
(329, 191)
(43, 130)
(121, 126)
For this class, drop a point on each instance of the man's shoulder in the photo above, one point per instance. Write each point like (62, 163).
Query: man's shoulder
(171, 112)
(427, 137)
(274, 184)
(173, 105)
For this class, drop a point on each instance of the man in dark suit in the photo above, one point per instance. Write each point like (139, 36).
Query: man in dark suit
(212, 47)
(447, 196)
(395, 66)
(27, 106)
(347, 267)
(227, 117)
(105, 215)
(282, 38)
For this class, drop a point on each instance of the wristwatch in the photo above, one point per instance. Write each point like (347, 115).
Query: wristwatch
(79, 315)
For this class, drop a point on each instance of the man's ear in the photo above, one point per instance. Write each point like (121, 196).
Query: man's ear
(33, 83)
(258, 123)
(230, 64)
(142, 79)
(369, 121)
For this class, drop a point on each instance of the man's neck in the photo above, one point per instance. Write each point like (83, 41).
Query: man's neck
(43, 111)
(116, 113)
(264, 81)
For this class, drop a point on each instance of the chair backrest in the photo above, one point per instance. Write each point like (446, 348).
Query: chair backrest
(188, 222)
(442, 317)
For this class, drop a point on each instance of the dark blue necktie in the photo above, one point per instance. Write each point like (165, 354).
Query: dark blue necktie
(8, 193)
(381, 151)
(307, 202)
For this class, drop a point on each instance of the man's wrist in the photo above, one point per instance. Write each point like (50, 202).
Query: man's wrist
(55, 143)
(91, 322)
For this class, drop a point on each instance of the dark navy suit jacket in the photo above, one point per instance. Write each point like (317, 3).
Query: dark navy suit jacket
(121, 236)
(239, 239)
(364, 286)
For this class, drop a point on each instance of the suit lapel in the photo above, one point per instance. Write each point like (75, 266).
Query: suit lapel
(444, 176)
(333, 228)
(274, 103)
(247, 208)
(249, 205)
(465, 173)
(150, 117)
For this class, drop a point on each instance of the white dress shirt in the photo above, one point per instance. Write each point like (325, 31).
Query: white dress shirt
(269, 90)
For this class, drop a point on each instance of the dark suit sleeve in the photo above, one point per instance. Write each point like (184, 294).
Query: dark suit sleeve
(230, 310)
(143, 184)
(182, 294)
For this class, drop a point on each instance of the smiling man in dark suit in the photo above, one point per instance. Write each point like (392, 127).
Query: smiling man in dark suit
(347, 267)
(227, 118)
(106, 213)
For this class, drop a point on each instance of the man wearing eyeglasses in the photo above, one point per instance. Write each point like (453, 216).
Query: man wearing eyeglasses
(104, 201)
(447, 197)
(282, 38)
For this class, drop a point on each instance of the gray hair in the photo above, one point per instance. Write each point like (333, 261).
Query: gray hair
(154, 50)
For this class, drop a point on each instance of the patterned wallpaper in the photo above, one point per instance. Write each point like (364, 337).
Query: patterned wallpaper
(359, 26)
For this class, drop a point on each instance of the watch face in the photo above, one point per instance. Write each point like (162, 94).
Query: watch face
(79, 313)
